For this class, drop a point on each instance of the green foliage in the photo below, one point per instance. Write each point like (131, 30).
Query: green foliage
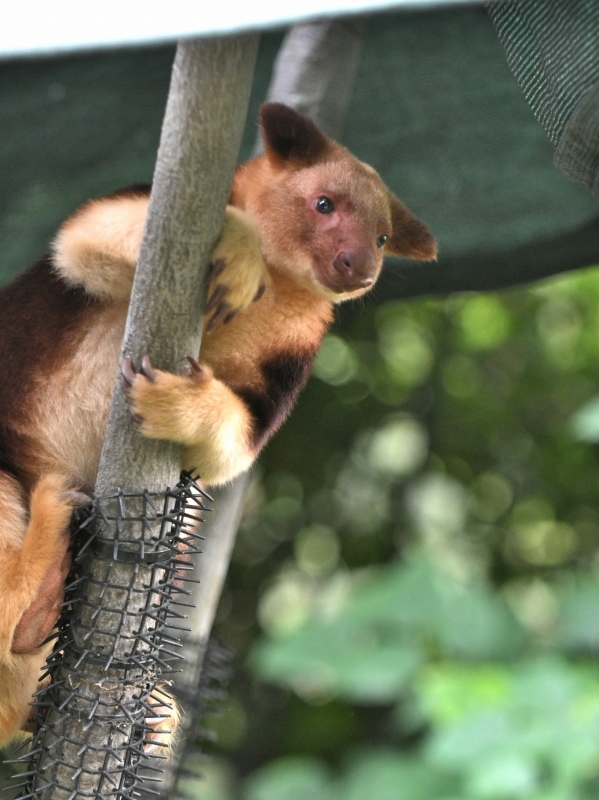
(381, 773)
(585, 423)
(290, 779)
(390, 624)
(494, 731)
(519, 730)
(421, 556)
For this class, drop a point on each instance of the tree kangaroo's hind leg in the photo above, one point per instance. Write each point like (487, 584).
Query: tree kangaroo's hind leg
(34, 562)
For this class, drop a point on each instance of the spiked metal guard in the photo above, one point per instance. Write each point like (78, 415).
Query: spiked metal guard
(105, 705)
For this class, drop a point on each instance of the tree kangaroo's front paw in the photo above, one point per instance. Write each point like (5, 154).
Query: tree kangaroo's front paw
(164, 405)
(237, 275)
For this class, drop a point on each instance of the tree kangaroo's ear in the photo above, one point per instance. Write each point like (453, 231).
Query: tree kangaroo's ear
(410, 238)
(289, 136)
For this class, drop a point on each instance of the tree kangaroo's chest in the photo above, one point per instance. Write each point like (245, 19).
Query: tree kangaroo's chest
(263, 355)
(73, 403)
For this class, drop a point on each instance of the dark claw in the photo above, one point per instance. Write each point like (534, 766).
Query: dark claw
(217, 295)
(147, 369)
(229, 317)
(197, 370)
(215, 269)
(223, 310)
(127, 374)
(260, 292)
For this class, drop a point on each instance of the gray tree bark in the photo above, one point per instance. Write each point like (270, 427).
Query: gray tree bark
(199, 144)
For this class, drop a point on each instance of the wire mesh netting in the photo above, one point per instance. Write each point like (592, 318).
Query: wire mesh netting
(122, 620)
(551, 47)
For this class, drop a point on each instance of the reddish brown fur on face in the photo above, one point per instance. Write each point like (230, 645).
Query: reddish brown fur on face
(337, 252)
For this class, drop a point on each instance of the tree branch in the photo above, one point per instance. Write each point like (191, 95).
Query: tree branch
(199, 145)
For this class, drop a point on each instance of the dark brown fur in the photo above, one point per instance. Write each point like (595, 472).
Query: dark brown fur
(41, 320)
(285, 375)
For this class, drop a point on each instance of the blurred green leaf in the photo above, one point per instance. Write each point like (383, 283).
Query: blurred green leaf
(503, 775)
(578, 620)
(450, 691)
(484, 320)
(335, 363)
(466, 619)
(349, 658)
(406, 346)
(373, 648)
(505, 727)
(292, 778)
(386, 775)
(585, 422)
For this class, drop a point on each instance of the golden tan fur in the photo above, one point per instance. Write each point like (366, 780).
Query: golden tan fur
(80, 390)
(307, 227)
(237, 259)
(97, 247)
(25, 567)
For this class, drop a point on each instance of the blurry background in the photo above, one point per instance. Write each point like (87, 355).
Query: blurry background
(414, 596)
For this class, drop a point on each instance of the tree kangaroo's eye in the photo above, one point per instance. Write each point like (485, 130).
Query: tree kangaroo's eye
(325, 205)
(382, 240)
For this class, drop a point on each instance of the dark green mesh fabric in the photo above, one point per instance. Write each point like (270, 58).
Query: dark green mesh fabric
(434, 108)
(552, 47)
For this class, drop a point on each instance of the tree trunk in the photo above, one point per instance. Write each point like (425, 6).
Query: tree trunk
(85, 746)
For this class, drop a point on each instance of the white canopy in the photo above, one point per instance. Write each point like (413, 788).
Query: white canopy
(36, 27)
